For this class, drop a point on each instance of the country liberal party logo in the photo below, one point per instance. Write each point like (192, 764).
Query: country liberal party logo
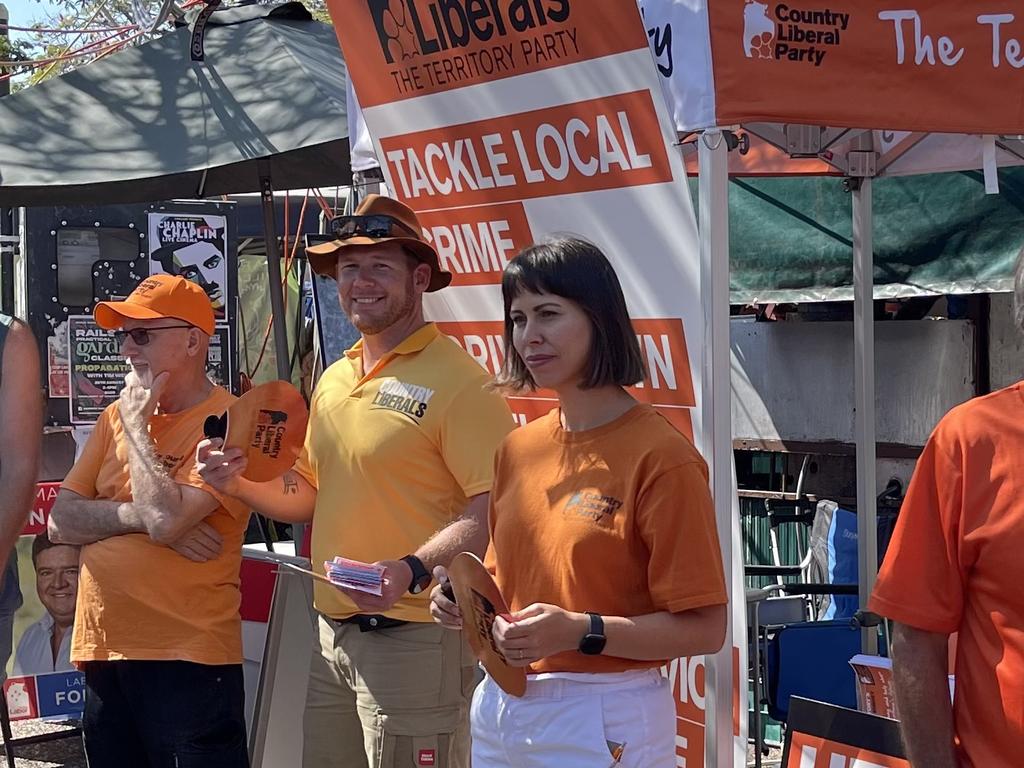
(781, 31)
(409, 399)
(592, 505)
(270, 430)
(407, 29)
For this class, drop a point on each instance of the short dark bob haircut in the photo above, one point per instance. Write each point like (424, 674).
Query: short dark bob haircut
(577, 270)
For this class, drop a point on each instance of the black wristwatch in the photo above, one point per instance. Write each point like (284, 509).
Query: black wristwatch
(421, 577)
(593, 642)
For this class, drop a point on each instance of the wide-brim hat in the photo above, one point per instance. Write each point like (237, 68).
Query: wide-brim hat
(324, 256)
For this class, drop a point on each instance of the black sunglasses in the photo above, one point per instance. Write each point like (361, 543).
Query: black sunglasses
(141, 335)
(345, 227)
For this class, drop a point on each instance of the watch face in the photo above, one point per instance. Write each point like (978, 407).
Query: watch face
(592, 645)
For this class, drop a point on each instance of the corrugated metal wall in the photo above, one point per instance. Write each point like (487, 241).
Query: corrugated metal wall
(757, 542)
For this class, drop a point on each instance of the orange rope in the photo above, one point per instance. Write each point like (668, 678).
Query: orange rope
(95, 13)
(289, 258)
(324, 205)
(58, 31)
(114, 49)
(78, 52)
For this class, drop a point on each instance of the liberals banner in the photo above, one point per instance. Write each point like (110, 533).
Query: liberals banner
(503, 121)
(944, 66)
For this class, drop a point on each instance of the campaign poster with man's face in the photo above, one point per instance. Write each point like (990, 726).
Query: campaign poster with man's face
(195, 247)
(37, 605)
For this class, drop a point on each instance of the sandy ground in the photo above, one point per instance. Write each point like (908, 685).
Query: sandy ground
(64, 753)
(772, 760)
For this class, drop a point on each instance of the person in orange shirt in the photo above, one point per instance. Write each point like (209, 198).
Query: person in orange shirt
(603, 537)
(157, 630)
(955, 567)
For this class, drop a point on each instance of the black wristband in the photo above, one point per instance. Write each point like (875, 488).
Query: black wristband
(420, 575)
(594, 641)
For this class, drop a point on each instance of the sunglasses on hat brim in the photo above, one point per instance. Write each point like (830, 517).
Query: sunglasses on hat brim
(346, 227)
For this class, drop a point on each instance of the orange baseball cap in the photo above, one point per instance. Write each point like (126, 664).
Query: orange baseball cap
(157, 297)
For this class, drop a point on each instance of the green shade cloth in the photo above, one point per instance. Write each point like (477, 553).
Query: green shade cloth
(790, 239)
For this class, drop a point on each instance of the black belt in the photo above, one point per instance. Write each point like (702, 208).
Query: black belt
(370, 622)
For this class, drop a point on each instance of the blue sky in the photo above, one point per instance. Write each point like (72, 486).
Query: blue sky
(24, 12)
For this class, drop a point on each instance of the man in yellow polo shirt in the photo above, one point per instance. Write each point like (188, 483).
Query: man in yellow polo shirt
(396, 470)
(157, 630)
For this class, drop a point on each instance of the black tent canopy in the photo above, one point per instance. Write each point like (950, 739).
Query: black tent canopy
(265, 109)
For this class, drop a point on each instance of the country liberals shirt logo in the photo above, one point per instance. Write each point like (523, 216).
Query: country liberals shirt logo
(781, 31)
(407, 29)
(592, 505)
(410, 399)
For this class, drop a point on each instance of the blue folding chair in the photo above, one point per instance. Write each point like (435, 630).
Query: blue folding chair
(811, 659)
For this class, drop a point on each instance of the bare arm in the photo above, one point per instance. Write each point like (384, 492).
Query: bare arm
(289, 498)
(467, 533)
(664, 635)
(167, 509)
(541, 630)
(21, 414)
(920, 664)
(75, 519)
(78, 520)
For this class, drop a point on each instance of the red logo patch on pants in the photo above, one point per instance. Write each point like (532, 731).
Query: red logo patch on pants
(426, 757)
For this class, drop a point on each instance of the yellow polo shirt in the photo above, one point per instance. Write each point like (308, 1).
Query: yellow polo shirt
(395, 454)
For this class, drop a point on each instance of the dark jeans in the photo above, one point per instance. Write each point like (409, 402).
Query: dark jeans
(164, 714)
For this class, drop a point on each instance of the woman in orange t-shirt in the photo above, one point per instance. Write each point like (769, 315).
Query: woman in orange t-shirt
(603, 538)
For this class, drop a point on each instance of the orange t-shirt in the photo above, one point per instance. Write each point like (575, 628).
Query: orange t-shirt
(956, 562)
(617, 520)
(141, 600)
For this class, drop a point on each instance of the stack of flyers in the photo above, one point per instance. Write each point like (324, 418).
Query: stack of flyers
(353, 574)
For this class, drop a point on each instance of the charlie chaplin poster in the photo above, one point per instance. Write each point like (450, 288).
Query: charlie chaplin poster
(195, 247)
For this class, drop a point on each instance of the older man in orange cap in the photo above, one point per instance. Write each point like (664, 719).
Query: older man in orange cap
(157, 630)
(396, 470)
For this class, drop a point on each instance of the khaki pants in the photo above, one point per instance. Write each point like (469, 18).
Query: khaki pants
(393, 698)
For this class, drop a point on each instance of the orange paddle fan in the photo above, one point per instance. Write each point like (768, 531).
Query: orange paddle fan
(268, 423)
(480, 601)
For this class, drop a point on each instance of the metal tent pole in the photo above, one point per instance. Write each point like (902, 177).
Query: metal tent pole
(281, 352)
(716, 416)
(5, 19)
(864, 397)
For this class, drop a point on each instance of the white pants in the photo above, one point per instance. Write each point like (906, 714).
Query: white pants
(567, 721)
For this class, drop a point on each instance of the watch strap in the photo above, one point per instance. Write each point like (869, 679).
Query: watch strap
(420, 575)
(592, 643)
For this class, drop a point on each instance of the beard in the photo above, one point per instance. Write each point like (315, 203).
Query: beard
(396, 308)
